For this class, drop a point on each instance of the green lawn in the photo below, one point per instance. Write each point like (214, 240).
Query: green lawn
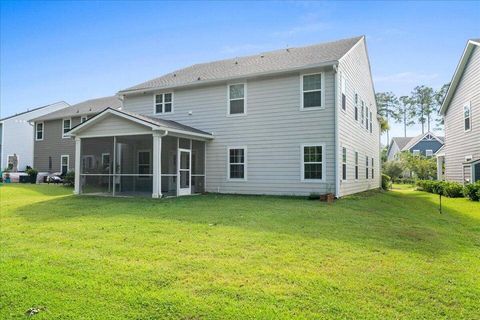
(371, 256)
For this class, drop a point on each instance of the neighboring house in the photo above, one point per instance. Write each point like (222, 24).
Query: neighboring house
(461, 112)
(16, 135)
(426, 144)
(54, 150)
(287, 122)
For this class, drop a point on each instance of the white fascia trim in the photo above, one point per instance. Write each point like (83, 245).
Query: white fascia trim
(228, 79)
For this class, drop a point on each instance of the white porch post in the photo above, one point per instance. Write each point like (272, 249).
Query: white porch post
(78, 145)
(440, 167)
(157, 166)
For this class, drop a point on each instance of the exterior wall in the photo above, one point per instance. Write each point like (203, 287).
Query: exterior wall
(394, 149)
(18, 136)
(425, 145)
(54, 145)
(459, 143)
(351, 133)
(114, 125)
(272, 131)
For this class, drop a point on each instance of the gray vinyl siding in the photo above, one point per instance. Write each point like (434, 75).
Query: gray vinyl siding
(459, 143)
(392, 152)
(352, 134)
(273, 131)
(53, 145)
(112, 126)
(425, 145)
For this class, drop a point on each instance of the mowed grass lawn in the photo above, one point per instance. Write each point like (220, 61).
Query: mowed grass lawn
(372, 256)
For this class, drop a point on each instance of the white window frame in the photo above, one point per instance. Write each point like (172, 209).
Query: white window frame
(372, 173)
(61, 162)
(469, 106)
(367, 168)
(427, 151)
(362, 105)
(343, 92)
(355, 110)
(244, 100)
(416, 152)
(322, 91)
(65, 135)
(371, 120)
(245, 160)
(323, 163)
(43, 130)
(344, 163)
(162, 103)
(150, 163)
(367, 110)
(357, 167)
(82, 119)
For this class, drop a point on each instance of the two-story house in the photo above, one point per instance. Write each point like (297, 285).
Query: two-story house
(426, 144)
(16, 136)
(287, 122)
(53, 149)
(461, 112)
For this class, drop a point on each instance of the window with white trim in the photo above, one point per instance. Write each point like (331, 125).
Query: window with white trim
(66, 126)
(312, 162)
(416, 152)
(83, 119)
(237, 163)
(467, 116)
(39, 131)
(64, 163)
(366, 118)
(356, 107)
(343, 85)
(373, 169)
(163, 103)
(366, 167)
(236, 99)
(429, 153)
(312, 90)
(356, 165)
(144, 162)
(362, 111)
(344, 163)
(371, 121)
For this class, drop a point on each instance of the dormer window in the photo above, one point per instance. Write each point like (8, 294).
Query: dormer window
(163, 103)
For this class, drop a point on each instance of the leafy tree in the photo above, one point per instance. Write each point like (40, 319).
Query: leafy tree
(387, 107)
(424, 168)
(394, 169)
(439, 96)
(405, 112)
(423, 101)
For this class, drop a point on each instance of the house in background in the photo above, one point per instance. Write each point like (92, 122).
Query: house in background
(287, 122)
(461, 112)
(16, 135)
(54, 150)
(424, 144)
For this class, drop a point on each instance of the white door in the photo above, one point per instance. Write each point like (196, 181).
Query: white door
(184, 161)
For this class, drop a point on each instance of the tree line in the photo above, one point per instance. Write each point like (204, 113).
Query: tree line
(422, 106)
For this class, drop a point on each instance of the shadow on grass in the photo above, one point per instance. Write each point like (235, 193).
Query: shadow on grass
(407, 222)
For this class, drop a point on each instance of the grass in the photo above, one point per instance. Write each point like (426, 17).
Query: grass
(369, 256)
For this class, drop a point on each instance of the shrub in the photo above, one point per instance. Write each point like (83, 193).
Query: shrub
(404, 181)
(32, 173)
(69, 178)
(393, 169)
(444, 188)
(386, 182)
(472, 191)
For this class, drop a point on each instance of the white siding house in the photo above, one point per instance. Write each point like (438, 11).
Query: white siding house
(265, 124)
(17, 135)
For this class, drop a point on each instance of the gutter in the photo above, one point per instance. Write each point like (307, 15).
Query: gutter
(336, 148)
(221, 80)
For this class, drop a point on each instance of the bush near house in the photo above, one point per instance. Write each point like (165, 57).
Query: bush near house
(472, 191)
(444, 188)
(69, 178)
(386, 182)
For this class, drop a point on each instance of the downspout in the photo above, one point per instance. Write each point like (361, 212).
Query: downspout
(336, 148)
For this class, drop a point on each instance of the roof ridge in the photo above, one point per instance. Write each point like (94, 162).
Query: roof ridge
(34, 109)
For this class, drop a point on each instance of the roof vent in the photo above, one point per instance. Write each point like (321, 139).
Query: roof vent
(174, 74)
(236, 62)
(288, 49)
(262, 56)
(198, 78)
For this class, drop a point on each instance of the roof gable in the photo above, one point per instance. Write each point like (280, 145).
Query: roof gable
(429, 136)
(264, 63)
(471, 44)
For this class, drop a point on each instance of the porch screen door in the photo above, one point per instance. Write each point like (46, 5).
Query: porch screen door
(184, 181)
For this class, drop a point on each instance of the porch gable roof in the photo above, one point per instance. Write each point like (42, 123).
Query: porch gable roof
(151, 122)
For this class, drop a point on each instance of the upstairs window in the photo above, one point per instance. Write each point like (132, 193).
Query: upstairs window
(356, 165)
(312, 162)
(344, 163)
(67, 125)
(312, 91)
(371, 121)
(39, 131)
(467, 116)
(236, 163)
(163, 103)
(236, 99)
(362, 112)
(344, 92)
(356, 107)
(429, 153)
(366, 118)
(416, 152)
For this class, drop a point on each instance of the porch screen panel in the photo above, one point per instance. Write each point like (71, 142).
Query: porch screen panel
(169, 165)
(198, 166)
(96, 166)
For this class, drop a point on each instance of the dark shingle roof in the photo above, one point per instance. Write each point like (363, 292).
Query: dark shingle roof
(88, 107)
(402, 141)
(268, 62)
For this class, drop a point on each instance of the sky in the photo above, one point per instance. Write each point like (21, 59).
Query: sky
(74, 51)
